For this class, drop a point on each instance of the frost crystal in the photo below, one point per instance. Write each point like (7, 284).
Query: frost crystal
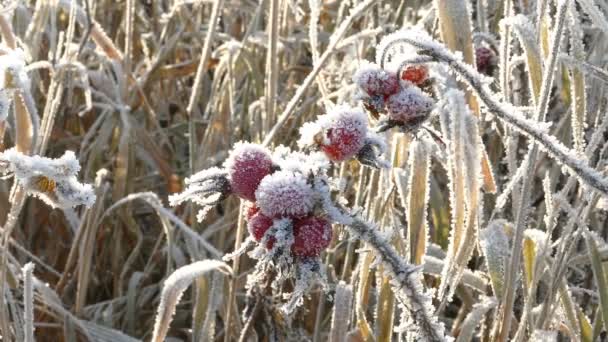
(52, 180)
(285, 193)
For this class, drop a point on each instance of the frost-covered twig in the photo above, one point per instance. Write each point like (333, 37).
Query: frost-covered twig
(506, 112)
(407, 280)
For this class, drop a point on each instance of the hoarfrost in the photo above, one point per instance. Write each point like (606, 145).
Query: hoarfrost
(52, 180)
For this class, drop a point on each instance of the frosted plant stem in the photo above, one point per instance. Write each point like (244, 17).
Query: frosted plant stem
(28, 302)
(272, 64)
(405, 278)
(331, 48)
(520, 224)
(506, 112)
(235, 269)
(198, 79)
(505, 51)
(17, 198)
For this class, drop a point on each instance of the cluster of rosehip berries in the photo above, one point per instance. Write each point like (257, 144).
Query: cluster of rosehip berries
(403, 95)
(276, 194)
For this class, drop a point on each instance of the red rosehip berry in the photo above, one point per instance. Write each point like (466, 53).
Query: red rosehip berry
(247, 165)
(285, 193)
(344, 132)
(251, 210)
(416, 74)
(258, 225)
(311, 236)
(485, 60)
(410, 103)
(375, 81)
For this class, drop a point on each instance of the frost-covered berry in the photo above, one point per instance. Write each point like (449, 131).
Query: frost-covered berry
(416, 74)
(247, 165)
(340, 134)
(258, 225)
(408, 104)
(311, 236)
(375, 81)
(251, 210)
(285, 193)
(485, 60)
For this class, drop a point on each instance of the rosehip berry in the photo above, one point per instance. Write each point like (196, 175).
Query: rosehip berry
(285, 193)
(485, 60)
(247, 165)
(251, 210)
(311, 236)
(258, 225)
(415, 74)
(374, 81)
(410, 103)
(344, 133)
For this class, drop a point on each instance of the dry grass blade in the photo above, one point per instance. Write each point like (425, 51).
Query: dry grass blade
(174, 287)
(340, 317)
(600, 276)
(473, 319)
(417, 201)
(456, 33)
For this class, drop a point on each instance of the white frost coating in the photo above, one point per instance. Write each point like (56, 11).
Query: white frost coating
(243, 150)
(323, 194)
(495, 247)
(595, 14)
(205, 188)
(369, 76)
(475, 317)
(340, 117)
(5, 103)
(285, 193)
(296, 161)
(543, 336)
(28, 301)
(12, 70)
(417, 309)
(410, 102)
(540, 240)
(173, 289)
(52, 180)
